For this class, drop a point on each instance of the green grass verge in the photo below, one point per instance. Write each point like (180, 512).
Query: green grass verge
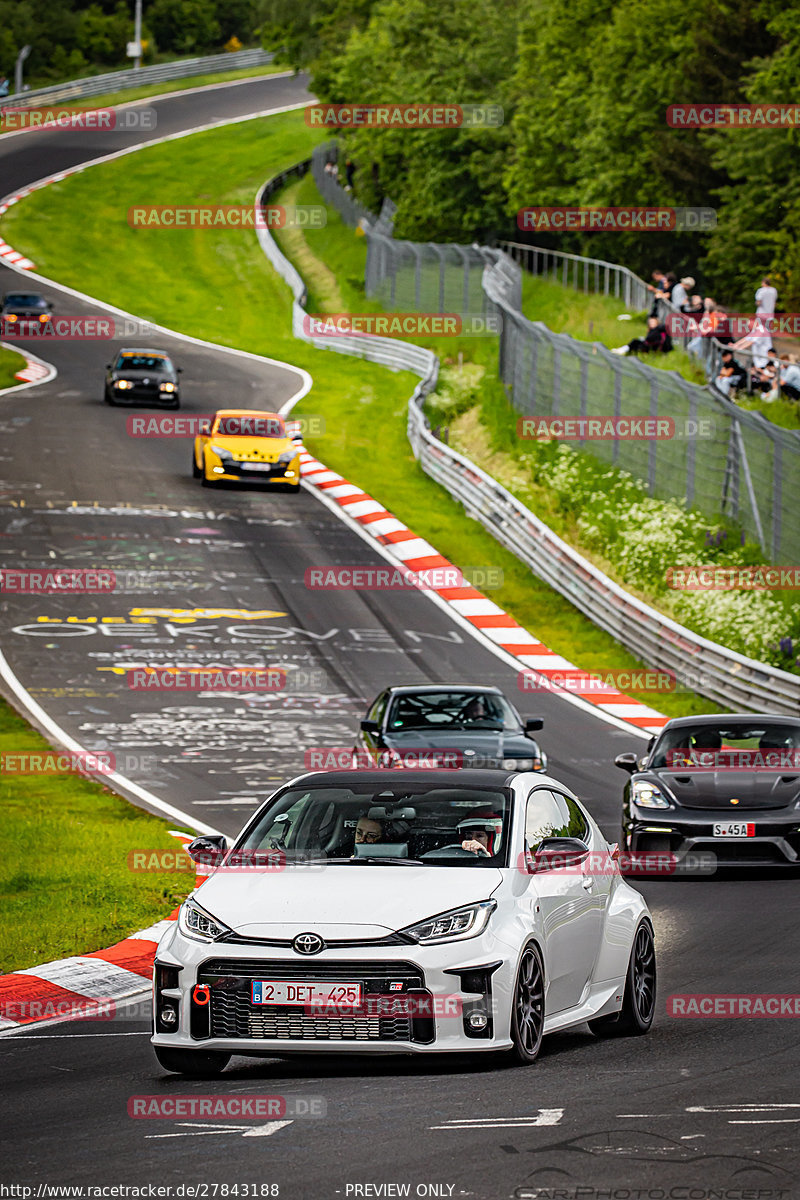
(65, 884)
(182, 274)
(10, 363)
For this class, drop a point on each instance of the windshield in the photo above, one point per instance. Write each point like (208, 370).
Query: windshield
(18, 300)
(451, 710)
(728, 744)
(384, 825)
(142, 362)
(257, 425)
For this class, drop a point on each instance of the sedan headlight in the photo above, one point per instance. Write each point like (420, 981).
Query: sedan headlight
(287, 456)
(647, 795)
(518, 764)
(194, 923)
(454, 926)
(122, 384)
(221, 452)
(167, 387)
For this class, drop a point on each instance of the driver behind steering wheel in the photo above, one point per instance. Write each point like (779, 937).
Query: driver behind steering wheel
(480, 833)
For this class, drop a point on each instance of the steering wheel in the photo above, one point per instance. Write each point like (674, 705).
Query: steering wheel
(455, 850)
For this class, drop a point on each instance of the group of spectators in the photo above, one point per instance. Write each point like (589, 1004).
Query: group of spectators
(770, 373)
(332, 169)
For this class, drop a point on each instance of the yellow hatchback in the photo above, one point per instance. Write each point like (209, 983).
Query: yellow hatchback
(240, 444)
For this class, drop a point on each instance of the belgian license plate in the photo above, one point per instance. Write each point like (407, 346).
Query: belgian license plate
(270, 991)
(734, 829)
(256, 466)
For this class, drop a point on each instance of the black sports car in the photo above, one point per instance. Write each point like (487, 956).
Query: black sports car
(728, 783)
(23, 312)
(143, 376)
(450, 725)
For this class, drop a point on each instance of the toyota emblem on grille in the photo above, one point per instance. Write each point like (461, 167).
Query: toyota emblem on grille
(308, 943)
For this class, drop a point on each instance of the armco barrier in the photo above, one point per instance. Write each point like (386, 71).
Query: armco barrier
(722, 675)
(117, 81)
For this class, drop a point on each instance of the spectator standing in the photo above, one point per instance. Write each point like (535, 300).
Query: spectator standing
(3, 85)
(766, 298)
(680, 291)
(349, 172)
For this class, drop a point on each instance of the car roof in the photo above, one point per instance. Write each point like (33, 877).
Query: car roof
(142, 350)
(726, 718)
(393, 777)
(408, 688)
(248, 412)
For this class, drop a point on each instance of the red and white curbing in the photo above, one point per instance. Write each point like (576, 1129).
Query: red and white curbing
(33, 372)
(471, 605)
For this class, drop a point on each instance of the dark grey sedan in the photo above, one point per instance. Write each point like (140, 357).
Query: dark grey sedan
(728, 784)
(143, 377)
(451, 725)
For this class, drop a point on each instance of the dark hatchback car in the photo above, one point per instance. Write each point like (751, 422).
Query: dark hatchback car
(728, 783)
(24, 312)
(143, 377)
(450, 725)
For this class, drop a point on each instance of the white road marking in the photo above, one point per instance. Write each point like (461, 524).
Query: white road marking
(266, 1130)
(545, 1116)
(201, 1129)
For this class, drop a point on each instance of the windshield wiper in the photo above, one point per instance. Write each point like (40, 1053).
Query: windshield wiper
(406, 862)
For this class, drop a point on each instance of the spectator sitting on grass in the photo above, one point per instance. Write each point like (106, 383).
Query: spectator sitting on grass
(655, 341)
(731, 374)
(766, 379)
(790, 376)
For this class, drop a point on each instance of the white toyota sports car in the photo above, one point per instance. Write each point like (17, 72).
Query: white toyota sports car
(404, 911)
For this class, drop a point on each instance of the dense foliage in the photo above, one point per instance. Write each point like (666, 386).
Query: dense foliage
(78, 37)
(585, 87)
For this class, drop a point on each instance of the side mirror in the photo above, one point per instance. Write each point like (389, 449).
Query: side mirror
(208, 849)
(108, 366)
(627, 762)
(367, 726)
(534, 723)
(554, 853)
(179, 370)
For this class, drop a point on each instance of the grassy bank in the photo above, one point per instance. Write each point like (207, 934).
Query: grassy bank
(10, 363)
(65, 884)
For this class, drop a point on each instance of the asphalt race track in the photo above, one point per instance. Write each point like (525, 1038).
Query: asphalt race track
(698, 1104)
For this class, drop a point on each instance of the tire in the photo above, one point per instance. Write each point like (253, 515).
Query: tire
(196, 472)
(527, 1014)
(206, 482)
(639, 1000)
(199, 1064)
(107, 398)
(294, 488)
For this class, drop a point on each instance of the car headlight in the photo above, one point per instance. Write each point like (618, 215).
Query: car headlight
(518, 764)
(198, 925)
(287, 456)
(167, 387)
(11, 317)
(454, 926)
(647, 795)
(44, 316)
(221, 452)
(122, 384)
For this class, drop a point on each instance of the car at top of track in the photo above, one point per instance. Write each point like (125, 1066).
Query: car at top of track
(403, 912)
(469, 725)
(243, 444)
(727, 784)
(21, 310)
(142, 376)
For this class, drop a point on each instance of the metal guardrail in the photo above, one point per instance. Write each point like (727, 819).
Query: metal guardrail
(117, 81)
(722, 675)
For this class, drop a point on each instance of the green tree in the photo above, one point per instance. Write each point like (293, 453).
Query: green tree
(184, 26)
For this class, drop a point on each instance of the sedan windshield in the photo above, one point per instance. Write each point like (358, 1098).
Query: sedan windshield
(142, 362)
(18, 300)
(451, 710)
(727, 744)
(387, 825)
